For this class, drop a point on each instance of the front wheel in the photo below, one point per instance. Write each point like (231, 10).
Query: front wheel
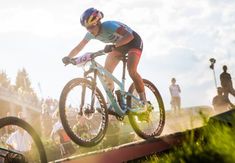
(151, 122)
(83, 112)
(14, 121)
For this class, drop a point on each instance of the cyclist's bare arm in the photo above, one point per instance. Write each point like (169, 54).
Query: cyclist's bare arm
(78, 48)
(179, 89)
(127, 37)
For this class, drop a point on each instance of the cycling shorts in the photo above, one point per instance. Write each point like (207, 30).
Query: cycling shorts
(136, 44)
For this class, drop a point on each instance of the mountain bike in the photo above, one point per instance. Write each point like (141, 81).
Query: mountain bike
(7, 155)
(84, 112)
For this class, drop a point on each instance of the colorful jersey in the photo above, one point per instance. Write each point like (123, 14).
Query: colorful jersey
(110, 32)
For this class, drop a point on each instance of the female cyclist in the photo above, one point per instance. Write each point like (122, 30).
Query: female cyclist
(123, 40)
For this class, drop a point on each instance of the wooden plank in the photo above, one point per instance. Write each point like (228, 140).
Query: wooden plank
(129, 151)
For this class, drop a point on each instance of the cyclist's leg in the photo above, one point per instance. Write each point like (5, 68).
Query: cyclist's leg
(132, 63)
(173, 105)
(226, 93)
(232, 92)
(111, 62)
(178, 103)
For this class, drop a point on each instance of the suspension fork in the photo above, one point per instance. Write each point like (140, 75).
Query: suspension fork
(82, 98)
(93, 89)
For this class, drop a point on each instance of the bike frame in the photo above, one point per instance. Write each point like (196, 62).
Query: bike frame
(101, 72)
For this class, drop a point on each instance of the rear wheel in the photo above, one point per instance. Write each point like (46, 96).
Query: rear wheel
(84, 124)
(151, 122)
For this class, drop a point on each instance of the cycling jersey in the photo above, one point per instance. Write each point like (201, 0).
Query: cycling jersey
(110, 33)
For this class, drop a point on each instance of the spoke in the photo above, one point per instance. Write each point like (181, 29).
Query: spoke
(89, 125)
(147, 122)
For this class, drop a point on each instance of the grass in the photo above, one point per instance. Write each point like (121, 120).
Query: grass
(215, 143)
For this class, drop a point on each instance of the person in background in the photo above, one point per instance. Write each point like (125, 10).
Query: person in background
(227, 85)
(20, 140)
(65, 143)
(220, 102)
(46, 121)
(175, 96)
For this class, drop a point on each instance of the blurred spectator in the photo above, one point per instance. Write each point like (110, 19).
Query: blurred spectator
(175, 95)
(46, 121)
(20, 140)
(66, 147)
(226, 83)
(82, 127)
(220, 102)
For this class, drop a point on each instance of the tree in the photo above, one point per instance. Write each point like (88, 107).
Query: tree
(22, 81)
(4, 80)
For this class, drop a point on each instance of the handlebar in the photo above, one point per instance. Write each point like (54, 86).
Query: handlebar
(74, 61)
(98, 53)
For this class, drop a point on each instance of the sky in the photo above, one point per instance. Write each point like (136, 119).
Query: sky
(180, 36)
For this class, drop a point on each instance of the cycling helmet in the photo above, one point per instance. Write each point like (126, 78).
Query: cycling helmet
(91, 17)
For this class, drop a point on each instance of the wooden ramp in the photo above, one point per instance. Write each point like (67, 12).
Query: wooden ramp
(128, 152)
(174, 132)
